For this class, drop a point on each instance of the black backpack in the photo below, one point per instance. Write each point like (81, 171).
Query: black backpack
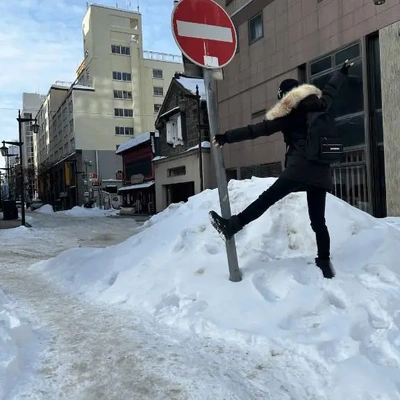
(323, 144)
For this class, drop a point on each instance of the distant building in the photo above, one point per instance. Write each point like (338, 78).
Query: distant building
(117, 93)
(31, 103)
(138, 192)
(182, 123)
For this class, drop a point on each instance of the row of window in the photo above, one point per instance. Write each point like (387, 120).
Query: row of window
(115, 49)
(122, 76)
(123, 94)
(123, 112)
(124, 130)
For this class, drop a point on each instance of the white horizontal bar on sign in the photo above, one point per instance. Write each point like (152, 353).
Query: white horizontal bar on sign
(203, 31)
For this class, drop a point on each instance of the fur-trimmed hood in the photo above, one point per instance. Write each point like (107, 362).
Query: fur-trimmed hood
(291, 100)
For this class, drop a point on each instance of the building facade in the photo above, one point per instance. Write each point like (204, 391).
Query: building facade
(185, 166)
(138, 192)
(31, 103)
(309, 40)
(116, 94)
(129, 83)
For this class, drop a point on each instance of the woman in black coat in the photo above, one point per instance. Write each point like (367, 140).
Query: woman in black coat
(289, 116)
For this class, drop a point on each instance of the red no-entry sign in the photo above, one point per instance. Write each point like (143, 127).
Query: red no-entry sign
(204, 33)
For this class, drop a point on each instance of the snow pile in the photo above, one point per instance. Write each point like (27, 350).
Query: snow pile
(45, 209)
(87, 212)
(16, 340)
(341, 337)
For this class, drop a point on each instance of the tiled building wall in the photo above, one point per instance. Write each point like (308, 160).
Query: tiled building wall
(295, 32)
(390, 61)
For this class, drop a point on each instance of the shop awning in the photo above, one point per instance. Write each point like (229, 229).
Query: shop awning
(138, 186)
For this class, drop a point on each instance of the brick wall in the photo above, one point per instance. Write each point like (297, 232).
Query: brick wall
(191, 134)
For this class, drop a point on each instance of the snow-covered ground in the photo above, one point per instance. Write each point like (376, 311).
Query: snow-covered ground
(284, 332)
(77, 211)
(17, 347)
(92, 352)
(343, 335)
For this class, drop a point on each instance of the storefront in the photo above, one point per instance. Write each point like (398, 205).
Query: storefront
(359, 178)
(138, 192)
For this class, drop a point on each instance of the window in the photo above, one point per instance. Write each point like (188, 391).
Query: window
(128, 112)
(158, 91)
(72, 144)
(122, 76)
(117, 76)
(123, 94)
(347, 54)
(124, 130)
(71, 126)
(127, 94)
(174, 130)
(157, 73)
(115, 49)
(123, 112)
(177, 171)
(118, 112)
(321, 65)
(119, 130)
(256, 28)
(126, 76)
(157, 108)
(351, 130)
(351, 99)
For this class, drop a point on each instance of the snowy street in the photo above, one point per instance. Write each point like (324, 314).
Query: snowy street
(98, 307)
(81, 351)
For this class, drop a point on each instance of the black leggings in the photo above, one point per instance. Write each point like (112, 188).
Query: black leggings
(316, 200)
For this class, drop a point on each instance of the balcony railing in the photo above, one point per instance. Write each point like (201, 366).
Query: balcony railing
(153, 55)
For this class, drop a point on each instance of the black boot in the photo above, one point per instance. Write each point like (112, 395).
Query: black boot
(325, 266)
(226, 227)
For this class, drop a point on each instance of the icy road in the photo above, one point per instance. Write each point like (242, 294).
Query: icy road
(91, 353)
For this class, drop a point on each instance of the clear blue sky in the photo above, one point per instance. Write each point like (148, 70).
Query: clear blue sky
(41, 42)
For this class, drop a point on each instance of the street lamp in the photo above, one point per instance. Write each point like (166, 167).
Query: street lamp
(4, 149)
(35, 127)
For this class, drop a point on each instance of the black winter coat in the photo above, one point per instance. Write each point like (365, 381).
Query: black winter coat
(289, 116)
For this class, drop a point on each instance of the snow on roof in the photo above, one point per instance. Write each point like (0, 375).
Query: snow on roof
(190, 84)
(171, 111)
(204, 145)
(158, 158)
(143, 185)
(136, 141)
(82, 87)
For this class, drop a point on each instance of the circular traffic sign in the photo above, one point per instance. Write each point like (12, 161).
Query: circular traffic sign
(204, 33)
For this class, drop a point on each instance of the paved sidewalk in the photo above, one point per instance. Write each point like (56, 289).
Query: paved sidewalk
(10, 224)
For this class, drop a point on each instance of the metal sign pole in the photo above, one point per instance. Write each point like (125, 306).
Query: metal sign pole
(212, 108)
